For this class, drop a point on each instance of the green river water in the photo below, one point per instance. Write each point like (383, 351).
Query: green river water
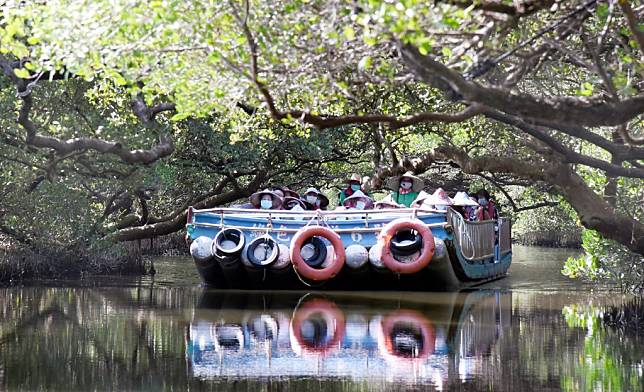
(533, 330)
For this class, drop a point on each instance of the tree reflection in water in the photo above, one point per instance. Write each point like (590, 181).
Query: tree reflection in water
(163, 338)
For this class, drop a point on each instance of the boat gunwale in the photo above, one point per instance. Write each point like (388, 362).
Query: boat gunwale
(319, 213)
(289, 230)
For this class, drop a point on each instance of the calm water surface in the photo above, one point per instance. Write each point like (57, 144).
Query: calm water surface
(534, 330)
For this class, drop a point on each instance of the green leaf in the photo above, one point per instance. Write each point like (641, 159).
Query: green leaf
(350, 33)
(21, 73)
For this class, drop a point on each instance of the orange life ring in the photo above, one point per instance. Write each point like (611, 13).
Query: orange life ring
(333, 317)
(419, 322)
(332, 268)
(426, 254)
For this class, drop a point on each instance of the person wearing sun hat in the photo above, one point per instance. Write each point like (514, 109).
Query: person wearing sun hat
(437, 201)
(358, 201)
(354, 184)
(405, 188)
(315, 200)
(387, 203)
(288, 192)
(487, 209)
(266, 200)
(465, 205)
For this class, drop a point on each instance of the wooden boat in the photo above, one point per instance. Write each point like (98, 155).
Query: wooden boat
(408, 249)
(241, 335)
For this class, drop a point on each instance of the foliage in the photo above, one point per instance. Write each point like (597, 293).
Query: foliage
(605, 260)
(261, 93)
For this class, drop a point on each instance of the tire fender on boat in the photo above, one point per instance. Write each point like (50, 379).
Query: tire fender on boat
(390, 230)
(266, 241)
(333, 319)
(229, 242)
(329, 270)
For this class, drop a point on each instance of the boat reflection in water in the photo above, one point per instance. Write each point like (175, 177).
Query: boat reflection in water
(238, 336)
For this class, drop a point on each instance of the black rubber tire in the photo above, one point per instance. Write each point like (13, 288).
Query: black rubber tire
(234, 235)
(319, 254)
(407, 249)
(275, 252)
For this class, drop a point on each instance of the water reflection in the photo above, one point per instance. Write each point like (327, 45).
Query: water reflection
(158, 338)
(318, 337)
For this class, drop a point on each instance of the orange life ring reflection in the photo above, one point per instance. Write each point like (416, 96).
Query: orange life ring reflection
(406, 335)
(317, 327)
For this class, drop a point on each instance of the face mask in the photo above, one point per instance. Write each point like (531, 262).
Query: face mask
(441, 207)
(355, 187)
(405, 185)
(483, 202)
(311, 199)
(266, 204)
(360, 205)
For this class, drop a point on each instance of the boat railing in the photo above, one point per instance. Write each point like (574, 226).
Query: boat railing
(256, 213)
(475, 239)
(319, 217)
(505, 235)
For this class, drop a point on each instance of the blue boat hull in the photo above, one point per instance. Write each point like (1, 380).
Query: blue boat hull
(449, 272)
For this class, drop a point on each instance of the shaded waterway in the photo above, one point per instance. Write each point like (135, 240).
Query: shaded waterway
(533, 330)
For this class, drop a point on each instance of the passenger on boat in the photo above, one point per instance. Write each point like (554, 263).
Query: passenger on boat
(354, 184)
(436, 201)
(266, 200)
(314, 200)
(387, 203)
(487, 209)
(358, 201)
(292, 203)
(405, 188)
(288, 192)
(465, 205)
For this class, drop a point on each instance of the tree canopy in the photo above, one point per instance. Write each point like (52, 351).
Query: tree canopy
(543, 91)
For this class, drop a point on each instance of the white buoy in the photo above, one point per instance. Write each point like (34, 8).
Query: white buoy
(356, 256)
(284, 258)
(201, 248)
(375, 257)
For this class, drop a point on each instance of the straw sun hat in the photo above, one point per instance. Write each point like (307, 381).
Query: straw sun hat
(394, 182)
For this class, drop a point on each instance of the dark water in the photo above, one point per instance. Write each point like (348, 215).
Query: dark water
(534, 330)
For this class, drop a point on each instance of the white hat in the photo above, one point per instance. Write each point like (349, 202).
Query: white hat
(438, 198)
(359, 195)
(462, 199)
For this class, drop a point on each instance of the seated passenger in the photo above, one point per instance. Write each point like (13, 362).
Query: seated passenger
(405, 188)
(487, 209)
(358, 201)
(418, 201)
(288, 192)
(436, 201)
(290, 203)
(465, 205)
(354, 184)
(266, 200)
(387, 203)
(314, 200)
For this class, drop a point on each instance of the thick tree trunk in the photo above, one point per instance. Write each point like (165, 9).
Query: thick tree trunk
(177, 221)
